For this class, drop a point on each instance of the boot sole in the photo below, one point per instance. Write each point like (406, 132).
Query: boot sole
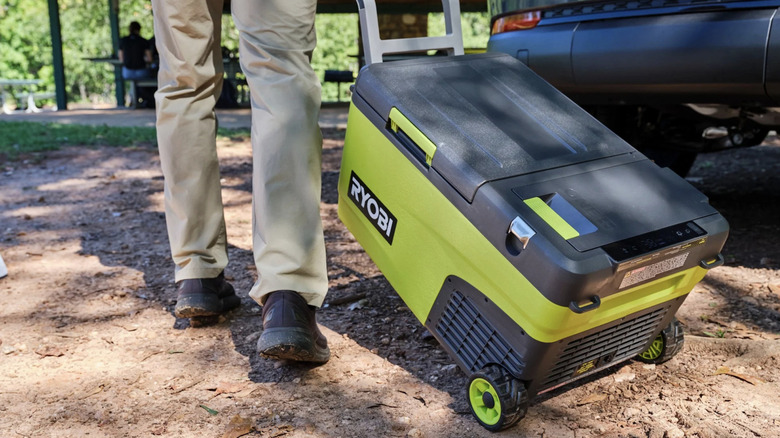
(289, 344)
(200, 305)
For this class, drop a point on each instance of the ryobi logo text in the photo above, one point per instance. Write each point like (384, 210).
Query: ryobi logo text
(372, 208)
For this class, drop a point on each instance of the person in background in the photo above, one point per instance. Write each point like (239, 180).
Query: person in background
(154, 64)
(276, 41)
(135, 55)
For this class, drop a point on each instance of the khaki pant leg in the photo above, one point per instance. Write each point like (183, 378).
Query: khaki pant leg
(190, 80)
(276, 41)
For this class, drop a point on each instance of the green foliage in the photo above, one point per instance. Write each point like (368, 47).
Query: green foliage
(719, 333)
(21, 44)
(25, 43)
(26, 51)
(337, 48)
(475, 27)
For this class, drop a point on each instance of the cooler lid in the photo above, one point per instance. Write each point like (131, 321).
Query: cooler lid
(601, 207)
(489, 116)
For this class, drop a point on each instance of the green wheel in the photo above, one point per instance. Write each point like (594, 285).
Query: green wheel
(496, 398)
(666, 345)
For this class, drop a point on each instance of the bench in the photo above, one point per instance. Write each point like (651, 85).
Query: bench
(240, 98)
(135, 84)
(339, 76)
(30, 98)
(12, 84)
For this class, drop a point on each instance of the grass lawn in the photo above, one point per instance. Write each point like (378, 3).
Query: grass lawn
(19, 138)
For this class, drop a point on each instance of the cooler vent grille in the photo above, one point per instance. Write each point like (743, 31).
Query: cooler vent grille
(604, 347)
(472, 338)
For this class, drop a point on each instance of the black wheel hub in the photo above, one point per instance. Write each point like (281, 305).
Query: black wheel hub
(487, 399)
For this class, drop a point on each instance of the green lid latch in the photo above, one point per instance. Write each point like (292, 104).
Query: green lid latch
(398, 122)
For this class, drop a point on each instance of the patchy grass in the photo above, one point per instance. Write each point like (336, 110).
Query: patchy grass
(29, 137)
(19, 138)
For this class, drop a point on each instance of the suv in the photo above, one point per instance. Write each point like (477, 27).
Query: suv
(672, 77)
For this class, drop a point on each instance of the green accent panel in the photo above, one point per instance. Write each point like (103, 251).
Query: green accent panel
(552, 218)
(433, 240)
(477, 389)
(399, 121)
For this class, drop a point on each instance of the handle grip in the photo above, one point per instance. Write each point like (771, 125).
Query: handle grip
(719, 260)
(374, 47)
(594, 304)
(399, 122)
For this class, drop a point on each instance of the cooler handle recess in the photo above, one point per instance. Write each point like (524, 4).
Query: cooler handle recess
(374, 47)
(399, 122)
(718, 261)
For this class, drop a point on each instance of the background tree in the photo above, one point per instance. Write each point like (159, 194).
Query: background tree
(25, 43)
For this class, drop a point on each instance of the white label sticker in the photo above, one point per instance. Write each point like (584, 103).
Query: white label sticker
(651, 271)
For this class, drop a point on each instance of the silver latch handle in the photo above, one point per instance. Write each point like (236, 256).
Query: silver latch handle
(522, 231)
(374, 47)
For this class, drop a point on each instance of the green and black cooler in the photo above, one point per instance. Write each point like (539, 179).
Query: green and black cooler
(535, 244)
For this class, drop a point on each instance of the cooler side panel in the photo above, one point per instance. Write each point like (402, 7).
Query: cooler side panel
(434, 240)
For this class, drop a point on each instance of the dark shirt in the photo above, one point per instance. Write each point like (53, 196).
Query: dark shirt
(133, 48)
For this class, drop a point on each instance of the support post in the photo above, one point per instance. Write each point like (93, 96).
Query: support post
(113, 18)
(57, 58)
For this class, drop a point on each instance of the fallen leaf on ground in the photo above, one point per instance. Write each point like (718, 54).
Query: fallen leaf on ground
(277, 431)
(750, 379)
(717, 321)
(229, 388)
(358, 305)
(238, 426)
(592, 398)
(94, 391)
(128, 327)
(246, 392)
(346, 300)
(209, 410)
(185, 387)
(377, 405)
(150, 354)
(50, 350)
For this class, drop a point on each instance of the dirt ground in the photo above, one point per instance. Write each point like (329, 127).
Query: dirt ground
(89, 345)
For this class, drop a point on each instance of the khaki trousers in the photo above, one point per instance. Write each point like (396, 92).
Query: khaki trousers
(276, 42)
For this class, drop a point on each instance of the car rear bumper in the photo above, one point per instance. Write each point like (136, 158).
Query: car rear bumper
(727, 56)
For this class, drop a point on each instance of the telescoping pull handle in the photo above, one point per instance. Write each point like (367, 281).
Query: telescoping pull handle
(375, 47)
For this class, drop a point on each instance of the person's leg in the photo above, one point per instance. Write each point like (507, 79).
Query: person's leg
(128, 75)
(276, 41)
(142, 95)
(190, 79)
(146, 94)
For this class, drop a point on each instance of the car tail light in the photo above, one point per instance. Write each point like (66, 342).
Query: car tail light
(525, 20)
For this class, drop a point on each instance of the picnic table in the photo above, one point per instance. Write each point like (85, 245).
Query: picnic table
(24, 84)
(232, 69)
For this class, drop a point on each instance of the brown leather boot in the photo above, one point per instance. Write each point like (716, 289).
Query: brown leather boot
(290, 330)
(204, 297)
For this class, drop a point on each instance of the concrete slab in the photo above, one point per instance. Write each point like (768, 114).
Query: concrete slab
(331, 116)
